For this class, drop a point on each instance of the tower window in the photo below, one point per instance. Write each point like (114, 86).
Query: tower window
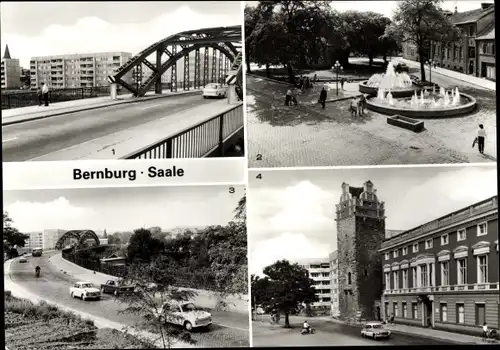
(366, 272)
(349, 278)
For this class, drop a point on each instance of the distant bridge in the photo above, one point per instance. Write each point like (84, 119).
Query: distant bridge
(226, 60)
(79, 235)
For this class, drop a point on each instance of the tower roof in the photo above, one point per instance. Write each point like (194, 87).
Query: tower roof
(7, 52)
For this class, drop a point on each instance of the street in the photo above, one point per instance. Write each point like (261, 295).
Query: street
(328, 333)
(228, 328)
(307, 135)
(33, 139)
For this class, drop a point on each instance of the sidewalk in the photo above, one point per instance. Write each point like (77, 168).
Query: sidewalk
(427, 332)
(203, 299)
(123, 143)
(24, 114)
(99, 322)
(484, 83)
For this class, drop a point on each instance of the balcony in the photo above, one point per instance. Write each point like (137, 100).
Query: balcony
(450, 289)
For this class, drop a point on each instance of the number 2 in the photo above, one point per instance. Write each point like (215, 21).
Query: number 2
(259, 156)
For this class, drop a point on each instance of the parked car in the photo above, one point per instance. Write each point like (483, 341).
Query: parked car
(375, 330)
(184, 314)
(84, 291)
(116, 287)
(215, 90)
(401, 67)
(23, 259)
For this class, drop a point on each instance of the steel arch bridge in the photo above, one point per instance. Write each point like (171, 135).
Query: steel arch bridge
(223, 65)
(79, 235)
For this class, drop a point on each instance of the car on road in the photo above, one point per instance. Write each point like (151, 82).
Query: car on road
(116, 287)
(401, 67)
(375, 330)
(23, 259)
(215, 90)
(84, 291)
(184, 314)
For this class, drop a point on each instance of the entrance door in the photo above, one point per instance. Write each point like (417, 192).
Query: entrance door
(386, 310)
(480, 314)
(483, 70)
(427, 314)
(471, 67)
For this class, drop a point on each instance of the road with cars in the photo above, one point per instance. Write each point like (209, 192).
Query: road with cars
(228, 328)
(327, 333)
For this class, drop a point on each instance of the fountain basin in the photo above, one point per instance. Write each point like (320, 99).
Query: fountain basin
(396, 92)
(406, 123)
(415, 112)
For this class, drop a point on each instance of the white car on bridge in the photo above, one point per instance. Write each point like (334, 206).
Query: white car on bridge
(215, 90)
(184, 314)
(84, 291)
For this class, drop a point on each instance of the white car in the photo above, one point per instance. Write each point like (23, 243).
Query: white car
(375, 330)
(215, 90)
(84, 291)
(23, 259)
(184, 314)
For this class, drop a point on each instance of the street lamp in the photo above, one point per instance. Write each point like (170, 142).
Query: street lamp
(337, 67)
(430, 63)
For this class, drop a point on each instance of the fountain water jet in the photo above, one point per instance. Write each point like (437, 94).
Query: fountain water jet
(399, 84)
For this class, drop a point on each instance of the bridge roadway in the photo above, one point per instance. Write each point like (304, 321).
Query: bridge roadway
(230, 329)
(38, 138)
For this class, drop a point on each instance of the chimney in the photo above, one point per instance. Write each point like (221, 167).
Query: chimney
(486, 5)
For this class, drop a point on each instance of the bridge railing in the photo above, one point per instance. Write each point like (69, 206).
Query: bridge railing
(197, 141)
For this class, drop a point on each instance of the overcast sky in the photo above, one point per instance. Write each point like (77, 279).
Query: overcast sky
(121, 209)
(51, 28)
(291, 213)
(387, 7)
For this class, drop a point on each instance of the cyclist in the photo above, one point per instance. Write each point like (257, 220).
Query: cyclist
(306, 326)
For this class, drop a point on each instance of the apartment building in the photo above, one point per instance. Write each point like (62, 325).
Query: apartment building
(334, 275)
(78, 70)
(467, 55)
(35, 240)
(50, 238)
(319, 272)
(10, 72)
(444, 273)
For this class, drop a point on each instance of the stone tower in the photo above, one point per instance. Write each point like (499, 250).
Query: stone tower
(360, 231)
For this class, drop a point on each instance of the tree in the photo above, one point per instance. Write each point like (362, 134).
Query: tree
(11, 236)
(285, 287)
(420, 22)
(154, 297)
(143, 246)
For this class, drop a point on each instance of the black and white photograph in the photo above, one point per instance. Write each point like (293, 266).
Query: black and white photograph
(407, 256)
(352, 83)
(121, 80)
(126, 268)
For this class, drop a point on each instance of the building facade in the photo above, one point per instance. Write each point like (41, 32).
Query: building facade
(486, 54)
(334, 276)
(360, 232)
(319, 272)
(50, 238)
(10, 72)
(78, 70)
(444, 273)
(463, 56)
(35, 240)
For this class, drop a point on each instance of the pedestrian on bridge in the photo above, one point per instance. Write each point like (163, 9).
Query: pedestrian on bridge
(45, 92)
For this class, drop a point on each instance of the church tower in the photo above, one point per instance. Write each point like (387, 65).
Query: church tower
(360, 232)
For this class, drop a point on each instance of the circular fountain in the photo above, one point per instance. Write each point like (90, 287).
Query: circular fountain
(400, 84)
(426, 104)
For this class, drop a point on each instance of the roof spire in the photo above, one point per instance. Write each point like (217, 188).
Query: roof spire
(7, 52)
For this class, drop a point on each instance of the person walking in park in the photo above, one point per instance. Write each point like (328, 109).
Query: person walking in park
(288, 97)
(39, 95)
(322, 97)
(45, 92)
(301, 83)
(481, 136)
(294, 97)
(342, 81)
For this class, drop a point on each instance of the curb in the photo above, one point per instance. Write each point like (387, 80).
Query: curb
(270, 79)
(96, 107)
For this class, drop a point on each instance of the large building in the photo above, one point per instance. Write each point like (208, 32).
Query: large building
(444, 273)
(78, 70)
(10, 72)
(469, 55)
(319, 272)
(50, 238)
(360, 232)
(35, 240)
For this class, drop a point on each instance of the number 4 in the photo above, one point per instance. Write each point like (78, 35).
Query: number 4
(259, 177)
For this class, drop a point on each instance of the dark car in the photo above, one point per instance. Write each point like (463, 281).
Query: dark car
(116, 287)
(401, 67)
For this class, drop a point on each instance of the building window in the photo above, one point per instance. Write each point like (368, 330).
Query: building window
(480, 314)
(349, 278)
(462, 271)
(482, 269)
(428, 244)
(414, 311)
(405, 250)
(482, 229)
(461, 235)
(396, 311)
(387, 280)
(460, 313)
(395, 254)
(415, 247)
(414, 277)
(405, 278)
(444, 239)
(485, 48)
(444, 313)
(405, 311)
(445, 273)
(395, 276)
(424, 281)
